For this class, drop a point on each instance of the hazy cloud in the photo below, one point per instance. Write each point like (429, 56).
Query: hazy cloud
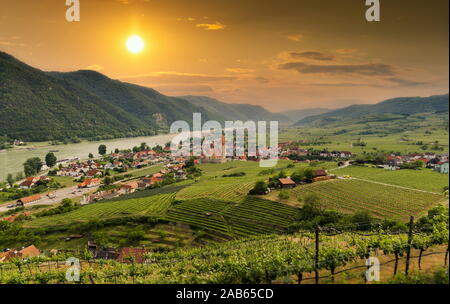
(370, 69)
(311, 55)
(176, 77)
(94, 67)
(211, 26)
(239, 70)
(405, 83)
(296, 37)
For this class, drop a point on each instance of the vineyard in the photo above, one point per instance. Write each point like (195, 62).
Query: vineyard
(251, 216)
(226, 190)
(265, 259)
(379, 200)
(152, 205)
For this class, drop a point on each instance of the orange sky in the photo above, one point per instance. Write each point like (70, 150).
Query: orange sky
(283, 54)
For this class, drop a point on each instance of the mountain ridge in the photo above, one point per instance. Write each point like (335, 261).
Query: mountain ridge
(396, 106)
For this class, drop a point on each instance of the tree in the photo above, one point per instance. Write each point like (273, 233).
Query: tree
(102, 149)
(50, 159)
(107, 180)
(32, 166)
(259, 189)
(19, 176)
(10, 179)
(143, 146)
(91, 155)
(116, 151)
(298, 176)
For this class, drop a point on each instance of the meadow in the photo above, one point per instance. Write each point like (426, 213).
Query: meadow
(398, 135)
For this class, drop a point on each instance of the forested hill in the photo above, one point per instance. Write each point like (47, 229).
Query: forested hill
(225, 111)
(40, 106)
(396, 106)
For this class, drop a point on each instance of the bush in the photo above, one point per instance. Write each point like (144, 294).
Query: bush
(284, 194)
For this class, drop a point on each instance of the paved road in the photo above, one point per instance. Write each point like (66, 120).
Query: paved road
(68, 192)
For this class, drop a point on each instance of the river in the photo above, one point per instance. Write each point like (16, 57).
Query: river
(12, 161)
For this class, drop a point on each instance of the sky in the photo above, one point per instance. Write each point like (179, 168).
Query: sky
(280, 54)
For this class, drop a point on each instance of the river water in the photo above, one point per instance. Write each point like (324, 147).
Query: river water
(12, 161)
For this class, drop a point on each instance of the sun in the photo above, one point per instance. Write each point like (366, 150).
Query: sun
(135, 44)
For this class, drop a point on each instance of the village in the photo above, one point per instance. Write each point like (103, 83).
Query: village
(117, 174)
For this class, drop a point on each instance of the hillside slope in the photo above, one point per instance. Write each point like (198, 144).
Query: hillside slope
(224, 111)
(396, 106)
(41, 106)
(296, 115)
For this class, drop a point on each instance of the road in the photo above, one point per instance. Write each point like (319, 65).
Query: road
(68, 192)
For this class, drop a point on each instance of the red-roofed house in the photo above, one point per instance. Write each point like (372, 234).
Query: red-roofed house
(89, 182)
(287, 183)
(28, 199)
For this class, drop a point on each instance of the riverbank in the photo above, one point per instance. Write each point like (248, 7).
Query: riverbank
(11, 161)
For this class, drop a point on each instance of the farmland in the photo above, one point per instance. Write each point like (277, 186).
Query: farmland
(424, 179)
(381, 201)
(151, 206)
(216, 208)
(252, 216)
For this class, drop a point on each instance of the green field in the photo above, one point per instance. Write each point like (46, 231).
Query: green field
(381, 201)
(399, 134)
(152, 205)
(252, 216)
(425, 179)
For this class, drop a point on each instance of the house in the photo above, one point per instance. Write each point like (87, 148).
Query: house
(93, 173)
(30, 251)
(318, 173)
(29, 182)
(129, 187)
(89, 182)
(442, 167)
(28, 199)
(394, 161)
(433, 163)
(13, 217)
(287, 183)
(7, 255)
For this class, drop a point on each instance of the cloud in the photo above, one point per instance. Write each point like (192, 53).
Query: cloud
(346, 51)
(188, 89)
(94, 67)
(176, 77)
(296, 37)
(369, 69)
(212, 26)
(9, 43)
(405, 83)
(239, 70)
(311, 55)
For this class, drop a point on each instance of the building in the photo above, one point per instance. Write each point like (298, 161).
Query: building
(287, 183)
(443, 167)
(319, 173)
(28, 199)
(129, 187)
(89, 182)
(25, 252)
